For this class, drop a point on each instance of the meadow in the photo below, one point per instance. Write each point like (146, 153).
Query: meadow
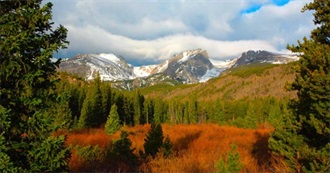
(196, 148)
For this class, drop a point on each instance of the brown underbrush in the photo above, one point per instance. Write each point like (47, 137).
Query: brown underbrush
(196, 148)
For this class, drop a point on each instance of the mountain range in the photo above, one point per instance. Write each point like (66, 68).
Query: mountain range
(191, 66)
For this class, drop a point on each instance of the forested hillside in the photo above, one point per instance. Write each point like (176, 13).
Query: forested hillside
(244, 96)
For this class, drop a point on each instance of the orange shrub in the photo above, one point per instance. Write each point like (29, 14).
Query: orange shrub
(197, 148)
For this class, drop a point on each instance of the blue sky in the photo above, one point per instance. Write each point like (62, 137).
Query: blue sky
(151, 31)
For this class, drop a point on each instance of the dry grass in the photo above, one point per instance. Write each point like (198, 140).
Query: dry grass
(197, 148)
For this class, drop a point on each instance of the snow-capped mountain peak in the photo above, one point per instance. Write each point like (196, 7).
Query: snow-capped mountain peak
(186, 55)
(110, 57)
(262, 56)
(110, 67)
(191, 66)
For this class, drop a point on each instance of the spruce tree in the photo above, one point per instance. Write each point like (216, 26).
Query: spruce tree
(91, 111)
(106, 99)
(138, 101)
(122, 150)
(113, 121)
(232, 163)
(154, 140)
(304, 140)
(28, 78)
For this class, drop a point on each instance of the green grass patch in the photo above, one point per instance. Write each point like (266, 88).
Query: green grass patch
(251, 69)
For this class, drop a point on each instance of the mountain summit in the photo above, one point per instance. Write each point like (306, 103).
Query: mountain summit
(262, 56)
(111, 67)
(190, 66)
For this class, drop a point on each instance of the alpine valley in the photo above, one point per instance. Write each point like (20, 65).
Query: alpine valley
(188, 67)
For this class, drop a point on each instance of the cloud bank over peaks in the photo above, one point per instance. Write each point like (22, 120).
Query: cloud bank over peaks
(157, 50)
(151, 31)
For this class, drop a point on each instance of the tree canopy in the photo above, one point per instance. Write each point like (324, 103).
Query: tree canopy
(28, 41)
(304, 140)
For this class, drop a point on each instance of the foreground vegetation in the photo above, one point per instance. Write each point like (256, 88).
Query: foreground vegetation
(196, 148)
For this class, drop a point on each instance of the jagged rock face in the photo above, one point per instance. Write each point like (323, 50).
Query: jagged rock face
(264, 57)
(189, 66)
(110, 67)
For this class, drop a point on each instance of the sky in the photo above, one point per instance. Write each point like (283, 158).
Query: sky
(151, 31)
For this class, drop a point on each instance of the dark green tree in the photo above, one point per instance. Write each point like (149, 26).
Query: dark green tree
(61, 111)
(113, 122)
(122, 148)
(304, 140)
(167, 146)
(106, 99)
(91, 111)
(128, 111)
(154, 140)
(139, 118)
(28, 78)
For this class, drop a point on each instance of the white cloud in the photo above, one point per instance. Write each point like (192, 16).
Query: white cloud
(277, 24)
(155, 30)
(92, 39)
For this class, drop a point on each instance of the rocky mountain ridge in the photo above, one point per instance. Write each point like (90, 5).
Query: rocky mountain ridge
(191, 66)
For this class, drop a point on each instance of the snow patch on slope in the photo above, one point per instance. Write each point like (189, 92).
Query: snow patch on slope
(188, 54)
(224, 64)
(109, 57)
(144, 71)
(214, 72)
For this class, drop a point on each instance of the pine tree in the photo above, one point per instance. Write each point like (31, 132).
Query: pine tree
(122, 149)
(139, 118)
(28, 78)
(232, 162)
(304, 139)
(113, 122)
(91, 111)
(106, 100)
(61, 111)
(154, 140)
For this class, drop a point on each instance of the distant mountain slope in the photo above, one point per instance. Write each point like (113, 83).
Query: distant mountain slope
(191, 67)
(249, 81)
(262, 56)
(110, 67)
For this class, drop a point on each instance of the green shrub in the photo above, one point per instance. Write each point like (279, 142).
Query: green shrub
(231, 164)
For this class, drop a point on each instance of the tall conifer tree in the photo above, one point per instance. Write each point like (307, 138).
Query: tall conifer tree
(304, 140)
(113, 121)
(92, 109)
(28, 78)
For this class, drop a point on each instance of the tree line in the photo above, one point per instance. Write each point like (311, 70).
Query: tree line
(90, 103)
